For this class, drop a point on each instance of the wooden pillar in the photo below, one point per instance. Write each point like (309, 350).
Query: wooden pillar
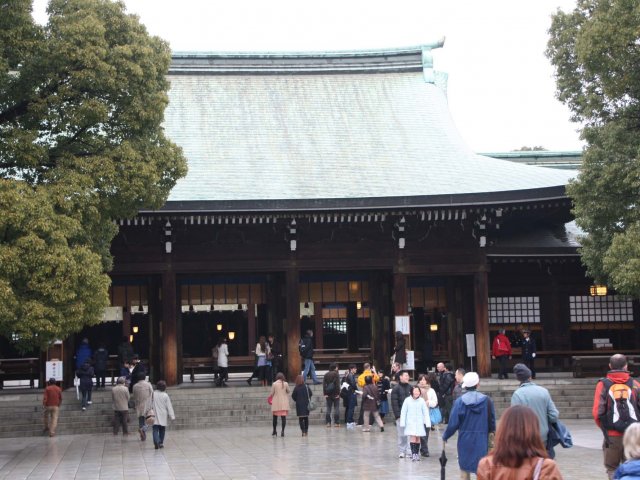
(481, 301)
(292, 322)
(169, 330)
(400, 294)
(317, 326)
(380, 324)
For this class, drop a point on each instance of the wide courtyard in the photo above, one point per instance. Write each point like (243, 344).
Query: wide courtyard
(252, 453)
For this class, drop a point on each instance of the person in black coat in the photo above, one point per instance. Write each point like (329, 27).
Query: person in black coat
(528, 346)
(138, 373)
(399, 350)
(100, 360)
(85, 374)
(399, 393)
(302, 397)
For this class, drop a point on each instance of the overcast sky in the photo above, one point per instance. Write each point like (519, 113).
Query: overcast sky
(501, 86)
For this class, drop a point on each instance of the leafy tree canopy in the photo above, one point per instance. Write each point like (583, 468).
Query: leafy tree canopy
(82, 100)
(595, 50)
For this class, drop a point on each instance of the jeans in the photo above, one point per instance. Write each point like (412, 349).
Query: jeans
(309, 368)
(120, 417)
(86, 397)
(351, 407)
(332, 404)
(403, 443)
(158, 434)
(141, 423)
(51, 419)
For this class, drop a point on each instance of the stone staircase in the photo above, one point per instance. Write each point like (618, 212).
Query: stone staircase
(200, 406)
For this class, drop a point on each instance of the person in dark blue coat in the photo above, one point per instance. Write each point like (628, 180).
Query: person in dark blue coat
(85, 374)
(302, 397)
(474, 417)
(528, 346)
(83, 353)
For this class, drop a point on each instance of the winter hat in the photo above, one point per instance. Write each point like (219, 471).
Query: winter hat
(522, 372)
(470, 379)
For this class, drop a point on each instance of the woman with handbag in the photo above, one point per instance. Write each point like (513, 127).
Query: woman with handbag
(163, 410)
(279, 402)
(302, 397)
(519, 453)
(428, 394)
(370, 400)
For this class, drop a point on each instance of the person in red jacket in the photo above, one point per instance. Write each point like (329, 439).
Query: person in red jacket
(501, 350)
(51, 401)
(602, 403)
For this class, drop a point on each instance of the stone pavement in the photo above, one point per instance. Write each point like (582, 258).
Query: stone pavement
(252, 453)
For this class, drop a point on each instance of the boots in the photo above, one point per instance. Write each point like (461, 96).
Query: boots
(415, 452)
(284, 424)
(275, 424)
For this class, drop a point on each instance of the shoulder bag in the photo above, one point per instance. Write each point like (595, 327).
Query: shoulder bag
(150, 414)
(311, 404)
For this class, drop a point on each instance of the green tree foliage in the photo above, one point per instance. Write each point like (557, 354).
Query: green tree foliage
(82, 100)
(595, 50)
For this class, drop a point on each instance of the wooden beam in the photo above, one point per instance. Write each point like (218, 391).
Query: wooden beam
(481, 301)
(292, 322)
(169, 329)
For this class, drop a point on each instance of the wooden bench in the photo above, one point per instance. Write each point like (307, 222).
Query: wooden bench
(597, 365)
(19, 369)
(193, 365)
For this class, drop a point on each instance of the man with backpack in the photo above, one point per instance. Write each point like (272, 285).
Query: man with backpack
(616, 405)
(447, 383)
(305, 347)
(331, 391)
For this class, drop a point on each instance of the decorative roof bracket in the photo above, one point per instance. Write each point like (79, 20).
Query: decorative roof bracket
(427, 60)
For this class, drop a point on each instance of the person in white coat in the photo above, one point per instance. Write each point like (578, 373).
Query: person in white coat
(413, 418)
(163, 410)
(430, 397)
(223, 362)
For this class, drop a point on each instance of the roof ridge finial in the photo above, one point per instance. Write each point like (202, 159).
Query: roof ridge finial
(427, 59)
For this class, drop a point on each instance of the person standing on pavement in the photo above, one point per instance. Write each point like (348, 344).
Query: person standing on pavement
(164, 411)
(473, 416)
(120, 397)
(399, 393)
(305, 346)
(458, 391)
(301, 395)
(349, 396)
(447, 383)
(51, 401)
(384, 388)
(331, 392)
(519, 453)
(528, 346)
(279, 403)
(501, 351)
(368, 371)
(535, 397)
(142, 393)
(413, 418)
(370, 399)
(431, 399)
(616, 398)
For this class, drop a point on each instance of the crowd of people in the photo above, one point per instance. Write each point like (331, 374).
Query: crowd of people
(522, 445)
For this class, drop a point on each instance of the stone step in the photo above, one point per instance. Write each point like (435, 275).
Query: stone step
(202, 406)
